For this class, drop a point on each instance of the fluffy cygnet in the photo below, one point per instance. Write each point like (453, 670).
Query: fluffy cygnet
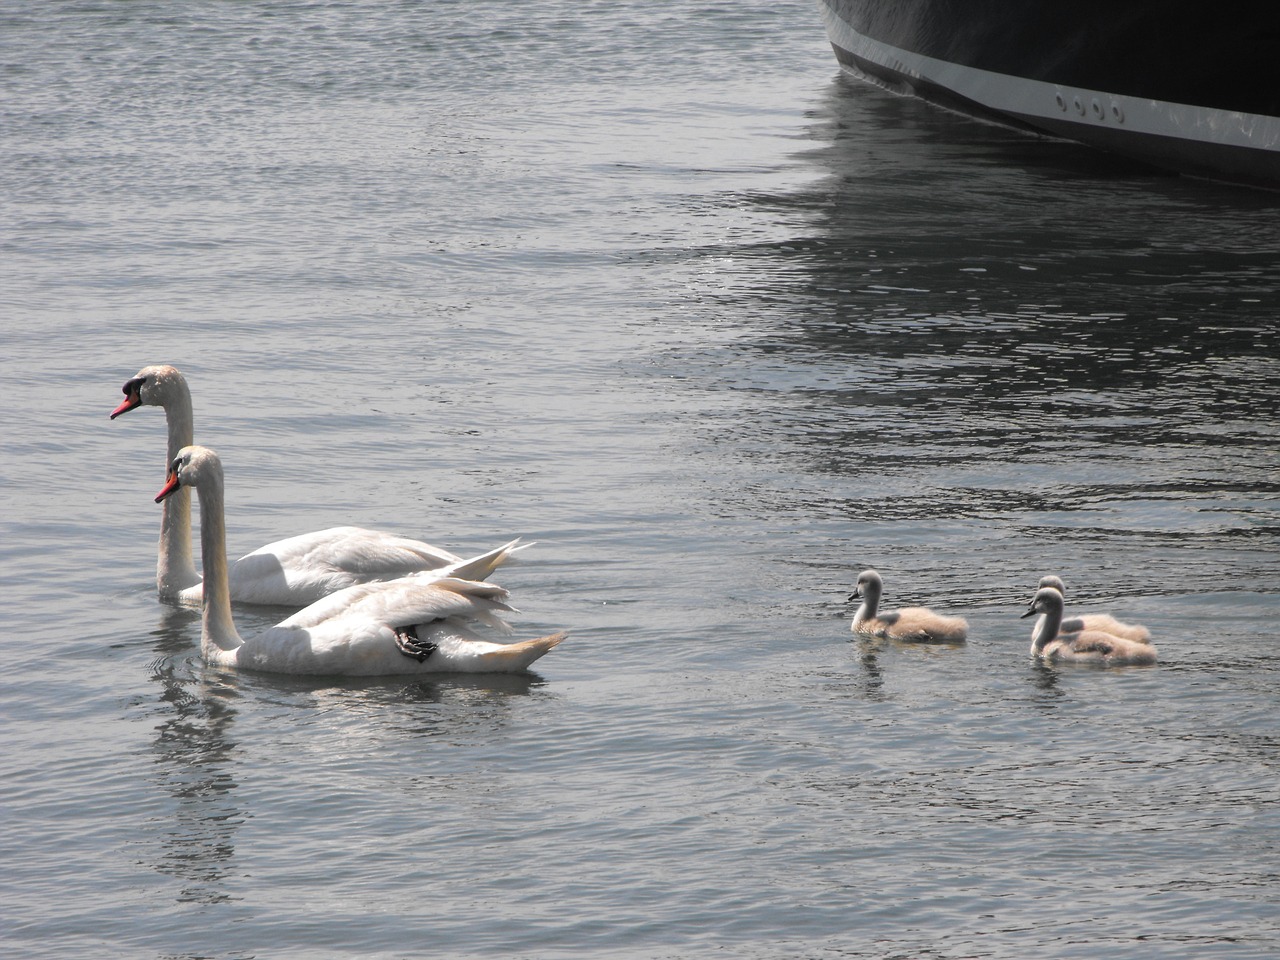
(1093, 621)
(915, 624)
(1080, 646)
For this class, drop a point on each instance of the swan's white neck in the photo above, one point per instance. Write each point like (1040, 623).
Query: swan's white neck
(219, 630)
(175, 569)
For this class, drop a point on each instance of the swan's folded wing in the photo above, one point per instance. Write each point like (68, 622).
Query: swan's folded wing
(1112, 649)
(417, 600)
(420, 598)
(305, 568)
(1092, 642)
(355, 550)
(332, 606)
(1117, 628)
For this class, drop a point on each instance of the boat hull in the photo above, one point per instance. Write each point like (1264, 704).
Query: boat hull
(1147, 80)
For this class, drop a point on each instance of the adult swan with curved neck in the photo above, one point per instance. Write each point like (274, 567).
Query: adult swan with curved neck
(415, 624)
(290, 572)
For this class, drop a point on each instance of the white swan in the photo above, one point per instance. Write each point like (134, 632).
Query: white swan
(917, 624)
(1091, 621)
(416, 624)
(1081, 646)
(290, 572)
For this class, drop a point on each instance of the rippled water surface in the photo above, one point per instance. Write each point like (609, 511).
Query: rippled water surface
(655, 287)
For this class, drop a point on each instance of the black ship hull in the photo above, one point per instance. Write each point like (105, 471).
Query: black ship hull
(1169, 84)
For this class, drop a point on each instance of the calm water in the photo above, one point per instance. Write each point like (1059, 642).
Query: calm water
(657, 288)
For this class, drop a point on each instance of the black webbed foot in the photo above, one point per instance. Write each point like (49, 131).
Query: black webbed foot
(407, 642)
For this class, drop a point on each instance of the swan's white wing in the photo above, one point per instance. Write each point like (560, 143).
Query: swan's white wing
(363, 552)
(334, 605)
(304, 568)
(419, 598)
(354, 549)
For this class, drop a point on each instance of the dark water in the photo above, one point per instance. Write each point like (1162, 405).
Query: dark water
(718, 328)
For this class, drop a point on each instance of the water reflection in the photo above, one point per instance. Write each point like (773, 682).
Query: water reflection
(955, 344)
(195, 764)
(1045, 679)
(178, 632)
(380, 691)
(951, 275)
(871, 675)
(384, 713)
(198, 757)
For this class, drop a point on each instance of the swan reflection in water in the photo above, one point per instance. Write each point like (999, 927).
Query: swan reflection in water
(201, 765)
(195, 767)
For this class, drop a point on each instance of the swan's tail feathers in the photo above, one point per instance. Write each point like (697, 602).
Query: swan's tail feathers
(515, 657)
(479, 568)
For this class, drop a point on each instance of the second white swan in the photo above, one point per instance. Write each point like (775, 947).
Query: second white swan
(415, 624)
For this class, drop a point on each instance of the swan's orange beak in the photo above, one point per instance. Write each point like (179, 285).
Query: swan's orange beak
(130, 401)
(170, 486)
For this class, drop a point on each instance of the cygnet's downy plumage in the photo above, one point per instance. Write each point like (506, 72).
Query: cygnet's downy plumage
(1092, 621)
(914, 624)
(1080, 646)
